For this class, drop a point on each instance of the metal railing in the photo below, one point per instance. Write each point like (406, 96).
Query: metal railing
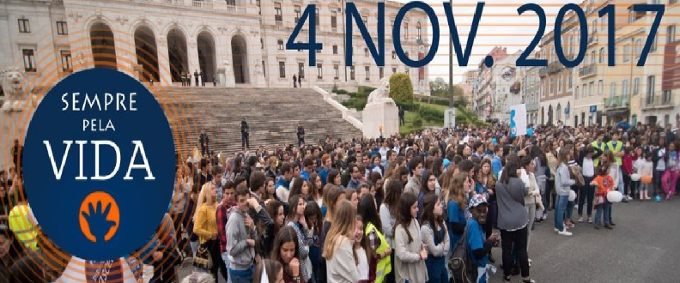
(587, 71)
(658, 101)
(618, 101)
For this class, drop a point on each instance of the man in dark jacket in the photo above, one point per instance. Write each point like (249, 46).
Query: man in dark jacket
(196, 76)
(245, 134)
(300, 135)
(204, 140)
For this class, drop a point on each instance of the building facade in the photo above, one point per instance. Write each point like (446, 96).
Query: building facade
(531, 86)
(231, 43)
(483, 89)
(557, 82)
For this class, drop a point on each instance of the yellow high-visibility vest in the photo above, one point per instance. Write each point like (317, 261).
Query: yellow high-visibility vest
(21, 224)
(384, 266)
(616, 149)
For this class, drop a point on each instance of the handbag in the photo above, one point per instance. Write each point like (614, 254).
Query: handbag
(577, 175)
(202, 258)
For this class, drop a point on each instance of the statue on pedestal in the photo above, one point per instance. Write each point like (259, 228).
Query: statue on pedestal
(18, 90)
(380, 116)
(381, 94)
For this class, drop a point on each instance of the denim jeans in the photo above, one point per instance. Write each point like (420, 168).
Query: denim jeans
(607, 208)
(570, 209)
(560, 207)
(225, 258)
(241, 276)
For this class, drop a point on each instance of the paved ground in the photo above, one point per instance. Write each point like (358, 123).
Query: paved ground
(643, 247)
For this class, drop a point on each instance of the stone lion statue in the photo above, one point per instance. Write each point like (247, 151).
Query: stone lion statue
(18, 90)
(381, 94)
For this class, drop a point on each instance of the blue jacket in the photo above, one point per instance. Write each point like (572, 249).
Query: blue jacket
(282, 183)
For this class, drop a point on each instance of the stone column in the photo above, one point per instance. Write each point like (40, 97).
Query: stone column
(126, 55)
(192, 53)
(163, 60)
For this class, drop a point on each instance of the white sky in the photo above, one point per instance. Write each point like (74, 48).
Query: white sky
(500, 25)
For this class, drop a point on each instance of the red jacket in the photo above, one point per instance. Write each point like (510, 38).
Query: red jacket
(628, 163)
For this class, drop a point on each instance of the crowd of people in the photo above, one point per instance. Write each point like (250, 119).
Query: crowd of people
(396, 209)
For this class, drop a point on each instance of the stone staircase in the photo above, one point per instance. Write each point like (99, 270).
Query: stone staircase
(272, 114)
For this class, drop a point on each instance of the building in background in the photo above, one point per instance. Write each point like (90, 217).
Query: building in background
(531, 87)
(468, 85)
(233, 42)
(556, 81)
(484, 92)
(660, 81)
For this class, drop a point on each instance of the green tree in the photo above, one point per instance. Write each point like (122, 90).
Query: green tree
(439, 88)
(401, 88)
(459, 97)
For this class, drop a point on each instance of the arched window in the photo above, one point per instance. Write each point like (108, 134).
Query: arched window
(418, 26)
(601, 55)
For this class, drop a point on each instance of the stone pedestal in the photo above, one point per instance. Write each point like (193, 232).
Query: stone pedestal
(225, 79)
(385, 114)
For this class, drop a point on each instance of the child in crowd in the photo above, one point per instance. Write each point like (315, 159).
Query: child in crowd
(605, 184)
(645, 168)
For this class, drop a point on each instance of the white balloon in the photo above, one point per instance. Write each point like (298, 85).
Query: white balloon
(614, 196)
(572, 195)
(635, 177)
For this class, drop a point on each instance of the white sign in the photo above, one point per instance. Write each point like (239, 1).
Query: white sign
(518, 120)
(450, 118)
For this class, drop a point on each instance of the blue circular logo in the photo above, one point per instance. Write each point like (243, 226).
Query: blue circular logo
(99, 164)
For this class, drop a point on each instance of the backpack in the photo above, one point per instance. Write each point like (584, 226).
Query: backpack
(460, 265)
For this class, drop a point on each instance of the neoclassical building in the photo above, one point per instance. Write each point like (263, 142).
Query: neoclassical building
(232, 42)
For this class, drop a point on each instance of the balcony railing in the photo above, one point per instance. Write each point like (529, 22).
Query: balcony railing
(203, 4)
(619, 101)
(555, 67)
(658, 102)
(587, 71)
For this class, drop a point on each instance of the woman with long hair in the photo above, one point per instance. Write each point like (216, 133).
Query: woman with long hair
(300, 187)
(513, 220)
(427, 186)
(296, 219)
(389, 211)
(434, 235)
(380, 248)
(332, 197)
(314, 222)
(205, 226)
(456, 204)
(316, 188)
(334, 178)
(563, 183)
(276, 211)
(486, 182)
(532, 198)
(269, 190)
(341, 262)
(287, 252)
(410, 253)
(540, 172)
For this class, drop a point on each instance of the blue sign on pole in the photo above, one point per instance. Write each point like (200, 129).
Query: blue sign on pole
(593, 109)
